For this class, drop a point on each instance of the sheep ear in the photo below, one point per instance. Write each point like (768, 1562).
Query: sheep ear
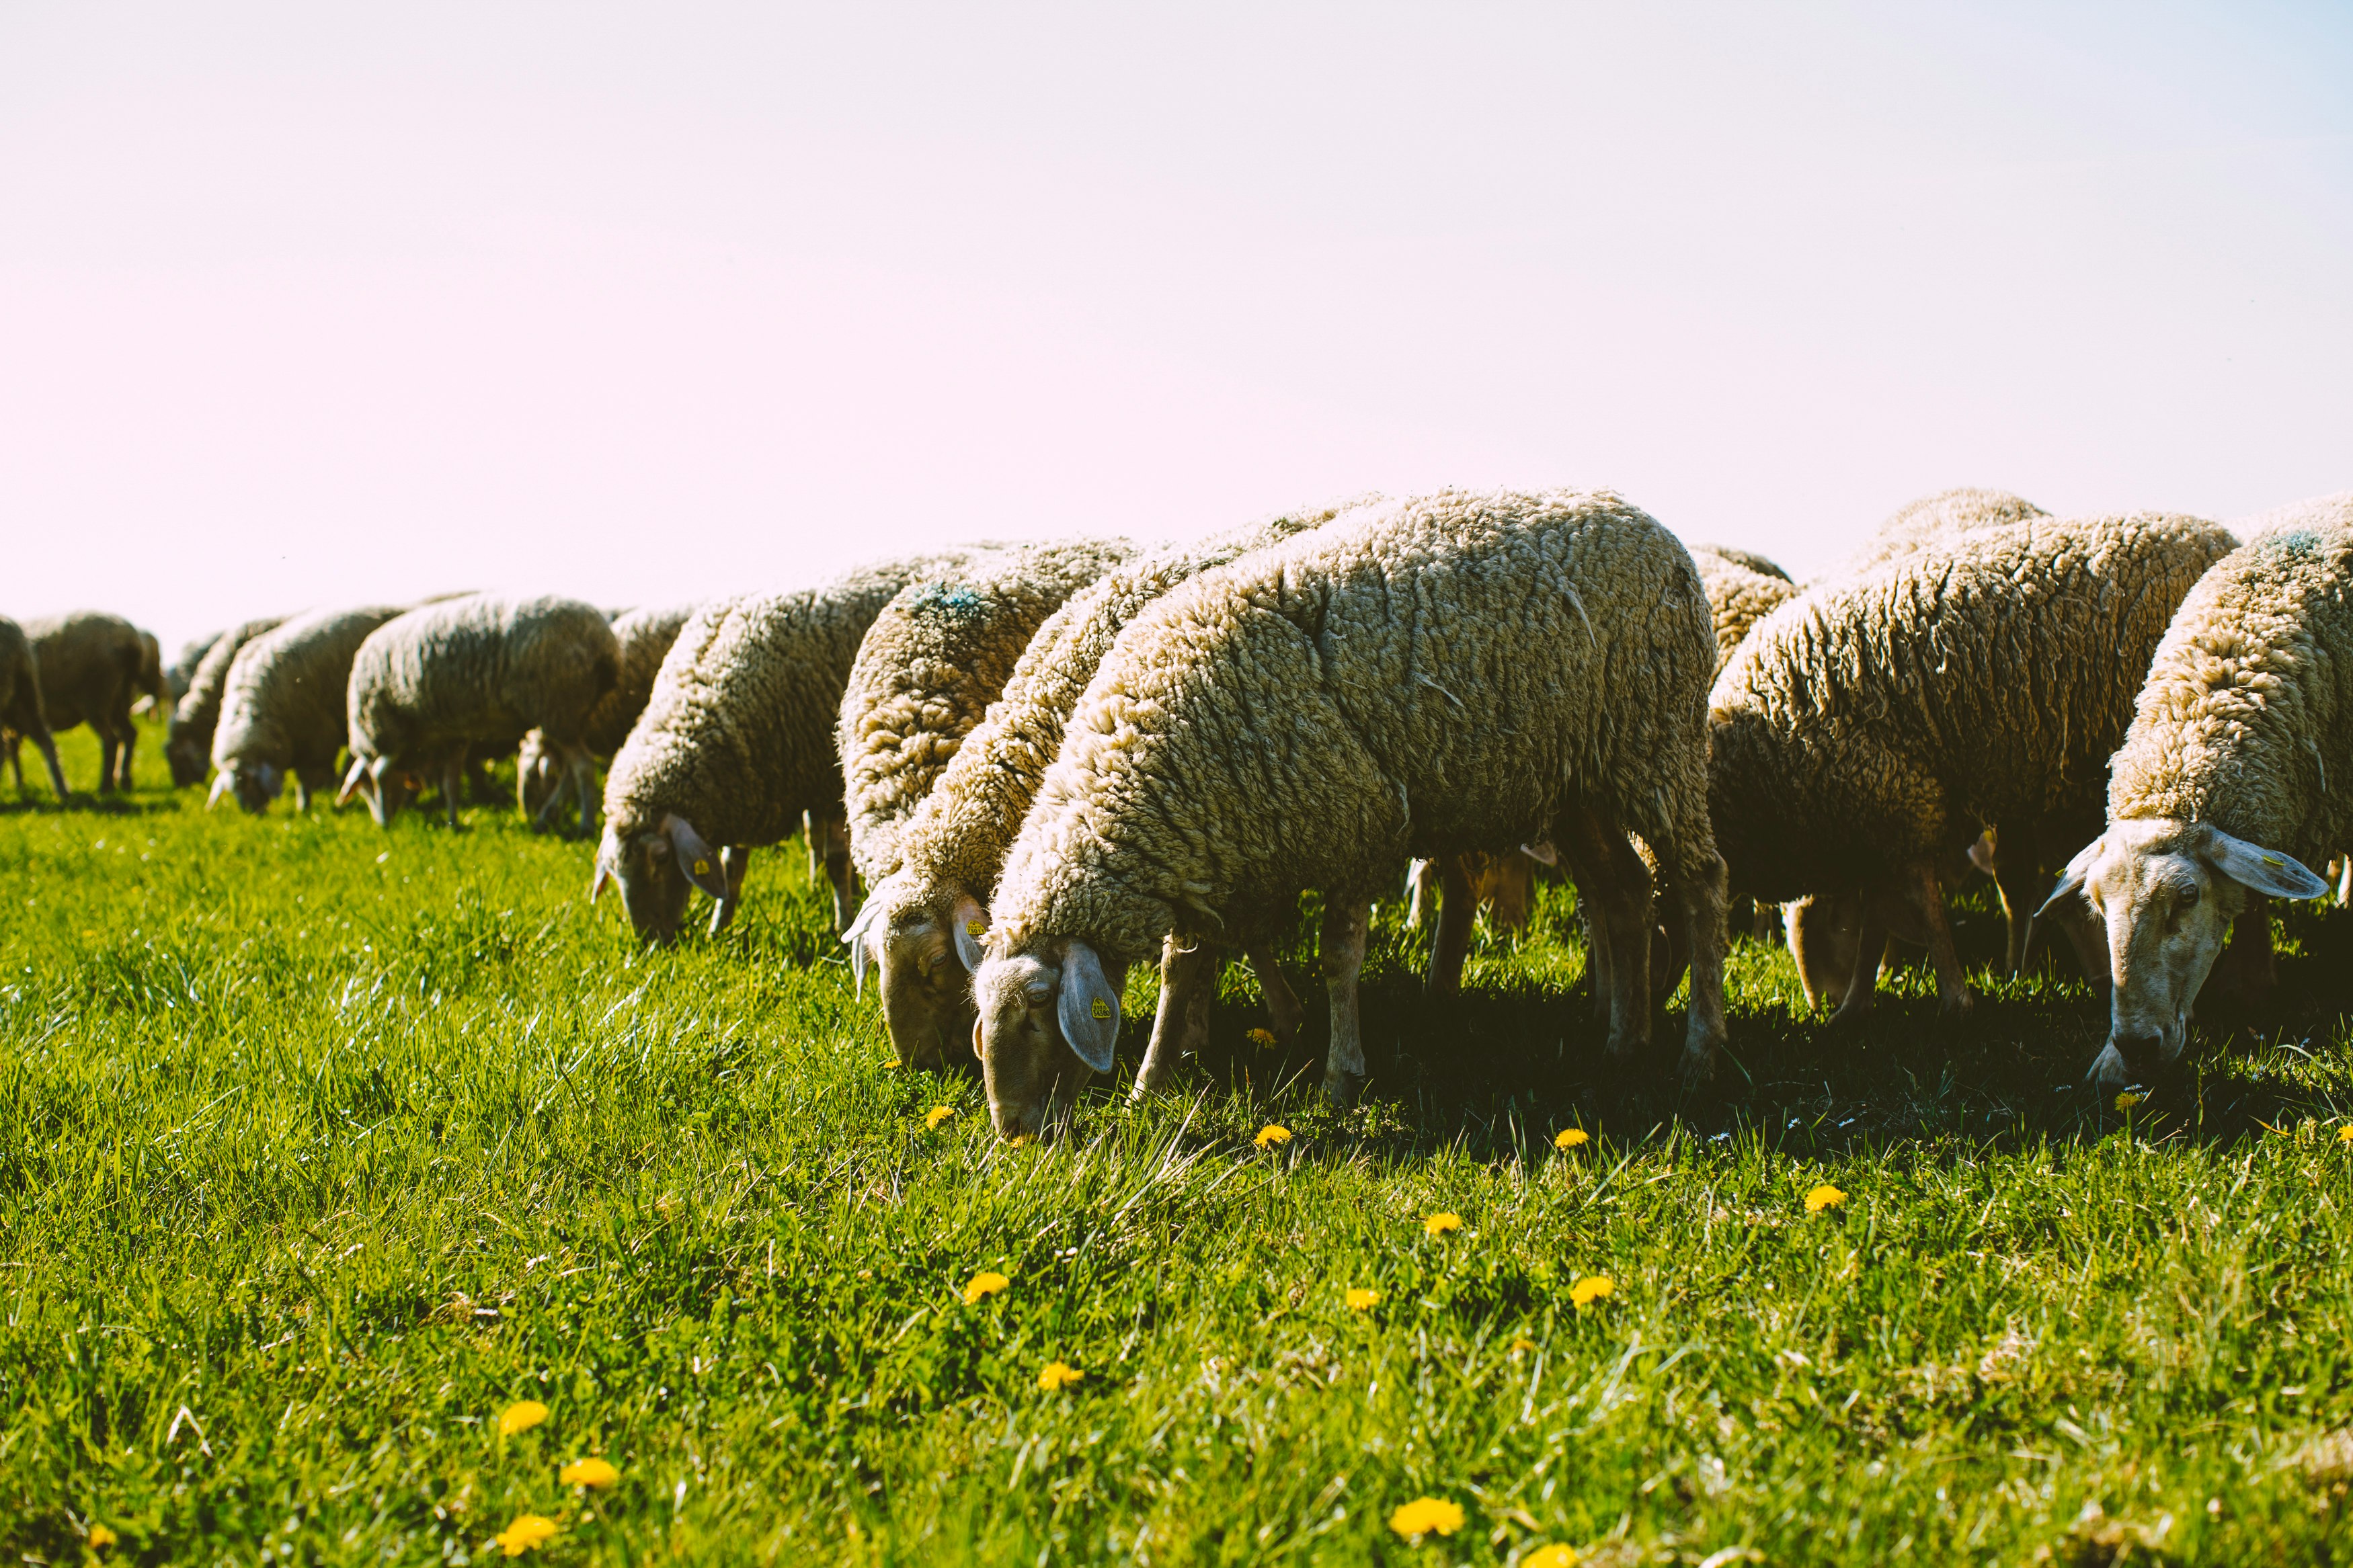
(1542, 852)
(2070, 881)
(970, 922)
(351, 782)
(2265, 871)
(603, 871)
(220, 788)
(1088, 1007)
(854, 939)
(697, 861)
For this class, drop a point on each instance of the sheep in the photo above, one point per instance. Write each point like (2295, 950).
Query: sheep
(1866, 731)
(644, 637)
(1459, 671)
(182, 671)
(1931, 519)
(917, 925)
(90, 670)
(282, 707)
(426, 685)
(1742, 588)
(188, 741)
(927, 669)
(154, 690)
(736, 743)
(21, 716)
(2230, 782)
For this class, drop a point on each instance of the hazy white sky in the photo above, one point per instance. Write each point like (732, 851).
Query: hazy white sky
(303, 304)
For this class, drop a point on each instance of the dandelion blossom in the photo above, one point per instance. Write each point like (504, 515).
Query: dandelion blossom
(1592, 1287)
(937, 1114)
(1059, 1375)
(1271, 1136)
(1440, 1224)
(2344, 1134)
(1523, 1343)
(589, 1472)
(102, 1538)
(528, 1530)
(1425, 1514)
(2127, 1099)
(1823, 1198)
(1363, 1300)
(1262, 1038)
(1569, 1138)
(987, 1282)
(1554, 1556)
(521, 1416)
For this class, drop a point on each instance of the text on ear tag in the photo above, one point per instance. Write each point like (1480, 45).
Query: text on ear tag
(976, 928)
(1101, 1009)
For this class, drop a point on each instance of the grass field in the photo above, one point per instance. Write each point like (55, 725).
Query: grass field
(323, 1146)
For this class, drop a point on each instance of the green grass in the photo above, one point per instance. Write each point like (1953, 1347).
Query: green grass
(323, 1145)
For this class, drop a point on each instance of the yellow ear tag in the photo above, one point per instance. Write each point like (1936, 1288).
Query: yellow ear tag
(2270, 860)
(703, 868)
(1101, 1009)
(976, 928)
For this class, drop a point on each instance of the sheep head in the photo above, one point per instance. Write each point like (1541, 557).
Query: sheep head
(656, 871)
(923, 948)
(1048, 1019)
(2167, 892)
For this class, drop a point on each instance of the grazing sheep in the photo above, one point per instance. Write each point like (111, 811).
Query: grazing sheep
(644, 637)
(88, 664)
(469, 671)
(188, 743)
(1455, 672)
(282, 707)
(22, 717)
(735, 744)
(920, 925)
(182, 671)
(2232, 781)
(1742, 589)
(1866, 731)
(929, 667)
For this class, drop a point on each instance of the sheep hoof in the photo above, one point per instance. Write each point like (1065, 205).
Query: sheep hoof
(1342, 1087)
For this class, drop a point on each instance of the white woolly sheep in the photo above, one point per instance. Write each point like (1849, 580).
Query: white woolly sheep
(22, 717)
(90, 670)
(644, 636)
(282, 710)
(188, 741)
(2222, 795)
(1455, 672)
(920, 924)
(735, 744)
(1867, 731)
(428, 685)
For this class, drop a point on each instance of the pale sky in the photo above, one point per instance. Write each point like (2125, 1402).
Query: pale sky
(312, 304)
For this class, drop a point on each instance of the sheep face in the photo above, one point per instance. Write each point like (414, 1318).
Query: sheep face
(924, 950)
(1047, 1024)
(189, 754)
(656, 871)
(2167, 892)
(539, 773)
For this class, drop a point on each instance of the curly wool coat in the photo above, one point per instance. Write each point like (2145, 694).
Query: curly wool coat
(282, 705)
(90, 666)
(188, 741)
(1741, 590)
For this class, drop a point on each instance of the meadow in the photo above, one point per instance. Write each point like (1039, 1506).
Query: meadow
(322, 1149)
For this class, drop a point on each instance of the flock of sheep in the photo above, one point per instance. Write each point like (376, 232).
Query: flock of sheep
(1047, 763)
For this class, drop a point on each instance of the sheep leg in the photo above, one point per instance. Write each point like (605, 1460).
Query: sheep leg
(1347, 923)
(1188, 984)
(105, 762)
(129, 745)
(49, 760)
(1514, 885)
(2017, 876)
(1586, 863)
(583, 774)
(838, 871)
(1696, 891)
(1457, 909)
(734, 859)
(1286, 1017)
(1618, 884)
(1921, 894)
(812, 835)
(2344, 880)
(1824, 934)
(1420, 891)
(453, 773)
(1863, 975)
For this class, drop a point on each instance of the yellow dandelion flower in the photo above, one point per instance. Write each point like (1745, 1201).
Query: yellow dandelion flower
(528, 1530)
(1523, 1343)
(1569, 1138)
(1823, 1198)
(1363, 1300)
(2127, 1099)
(1271, 1136)
(1262, 1038)
(1554, 1556)
(1440, 1224)
(987, 1282)
(589, 1472)
(1425, 1514)
(2344, 1134)
(521, 1416)
(937, 1114)
(101, 1538)
(1592, 1287)
(1059, 1375)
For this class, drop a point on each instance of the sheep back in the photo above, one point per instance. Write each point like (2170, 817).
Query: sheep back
(1742, 589)
(188, 743)
(1444, 674)
(90, 667)
(485, 668)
